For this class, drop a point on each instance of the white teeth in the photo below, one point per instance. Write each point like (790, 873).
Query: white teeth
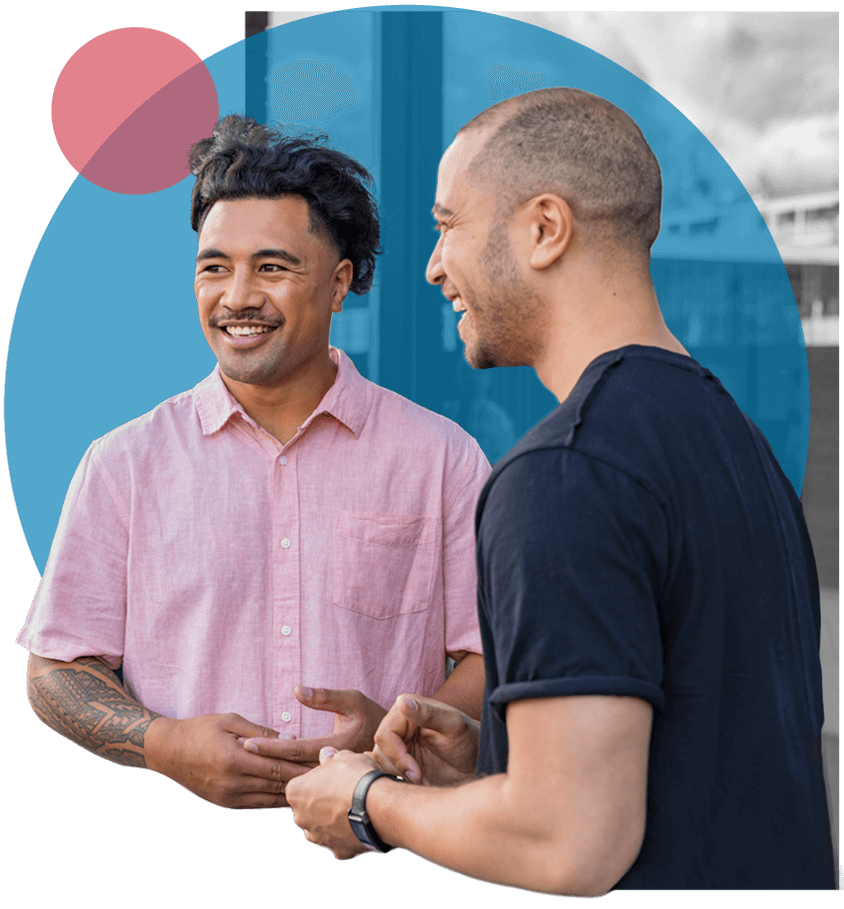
(457, 306)
(246, 331)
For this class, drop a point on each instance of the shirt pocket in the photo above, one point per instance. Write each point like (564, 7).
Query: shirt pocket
(383, 564)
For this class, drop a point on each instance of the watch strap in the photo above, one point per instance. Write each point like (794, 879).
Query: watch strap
(359, 819)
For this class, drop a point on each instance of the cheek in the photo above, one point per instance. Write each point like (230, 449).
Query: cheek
(204, 295)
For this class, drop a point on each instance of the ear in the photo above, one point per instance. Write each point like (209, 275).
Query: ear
(551, 222)
(341, 279)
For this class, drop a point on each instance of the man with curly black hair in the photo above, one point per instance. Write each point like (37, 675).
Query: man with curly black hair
(283, 524)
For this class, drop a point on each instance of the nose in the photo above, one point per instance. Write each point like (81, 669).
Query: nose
(241, 291)
(434, 273)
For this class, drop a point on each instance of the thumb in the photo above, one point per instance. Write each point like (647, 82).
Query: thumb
(345, 702)
(430, 714)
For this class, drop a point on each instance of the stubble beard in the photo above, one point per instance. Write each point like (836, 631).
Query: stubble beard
(510, 309)
(267, 368)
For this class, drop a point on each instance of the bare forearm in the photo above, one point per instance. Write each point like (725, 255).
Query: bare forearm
(84, 701)
(464, 688)
(477, 829)
(568, 816)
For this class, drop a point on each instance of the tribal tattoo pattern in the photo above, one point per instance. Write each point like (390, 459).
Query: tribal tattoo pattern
(85, 702)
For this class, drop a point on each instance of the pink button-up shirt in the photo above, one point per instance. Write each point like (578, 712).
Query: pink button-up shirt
(222, 568)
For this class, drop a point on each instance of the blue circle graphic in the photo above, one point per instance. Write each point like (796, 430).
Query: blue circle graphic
(106, 326)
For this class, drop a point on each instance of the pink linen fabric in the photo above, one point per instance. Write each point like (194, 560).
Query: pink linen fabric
(222, 568)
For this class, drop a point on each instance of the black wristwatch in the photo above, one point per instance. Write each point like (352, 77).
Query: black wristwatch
(359, 819)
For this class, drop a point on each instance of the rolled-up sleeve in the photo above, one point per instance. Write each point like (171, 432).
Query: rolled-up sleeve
(571, 554)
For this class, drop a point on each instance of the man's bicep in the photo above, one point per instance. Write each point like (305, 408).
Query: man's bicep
(579, 765)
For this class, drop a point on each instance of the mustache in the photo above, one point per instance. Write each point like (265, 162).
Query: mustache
(252, 316)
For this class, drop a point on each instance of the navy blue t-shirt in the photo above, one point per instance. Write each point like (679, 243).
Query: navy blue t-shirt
(642, 540)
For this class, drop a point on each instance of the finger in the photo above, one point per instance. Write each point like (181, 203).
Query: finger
(430, 714)
(394, 731)
(396, 723)
(395, 758)
(297, 751)
(326, 754)
(391, 749)
(242, 740)
(348, 702)
(262, 800)
(237, 725)
(267, 768)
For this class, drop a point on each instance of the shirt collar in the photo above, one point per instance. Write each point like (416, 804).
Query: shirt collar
(347, 400)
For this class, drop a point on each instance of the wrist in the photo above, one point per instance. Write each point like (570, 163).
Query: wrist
(358, 814)
(158, 744)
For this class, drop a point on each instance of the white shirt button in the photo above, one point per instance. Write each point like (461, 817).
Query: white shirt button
(285, 543)
(282, 460)
(287, 717)
(286, 630)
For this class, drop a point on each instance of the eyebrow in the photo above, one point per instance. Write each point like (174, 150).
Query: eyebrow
(269, 253)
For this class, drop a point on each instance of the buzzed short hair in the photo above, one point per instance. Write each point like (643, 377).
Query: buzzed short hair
(580, 147)
(247, 160)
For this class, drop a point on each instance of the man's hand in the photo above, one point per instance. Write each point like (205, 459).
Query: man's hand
(85, 701)
(205, 756)
(321, 800)
(427, 742)
(356, 719)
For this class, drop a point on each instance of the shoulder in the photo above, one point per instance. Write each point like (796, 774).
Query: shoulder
(618, 423)
(398, 420)
(149, 434)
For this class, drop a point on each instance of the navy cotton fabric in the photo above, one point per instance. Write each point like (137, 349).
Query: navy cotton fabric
(642, 540)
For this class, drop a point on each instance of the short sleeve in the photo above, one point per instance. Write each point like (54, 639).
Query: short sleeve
(80, 606)
(572, 554)
(460, 589)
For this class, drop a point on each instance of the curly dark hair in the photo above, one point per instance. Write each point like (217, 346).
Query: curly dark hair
(246, 160)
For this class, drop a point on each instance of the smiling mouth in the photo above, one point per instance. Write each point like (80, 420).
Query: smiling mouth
(246, 331)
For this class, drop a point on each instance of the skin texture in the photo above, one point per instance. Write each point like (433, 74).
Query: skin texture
(85, 702)
(475, 265)
(260, 265)
(428, 742)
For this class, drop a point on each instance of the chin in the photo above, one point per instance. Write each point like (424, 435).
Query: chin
(475, 363)
(255, 375)
(477, 355)
(478, 358)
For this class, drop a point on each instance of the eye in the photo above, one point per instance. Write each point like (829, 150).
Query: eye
(272, 267)
(214, 269)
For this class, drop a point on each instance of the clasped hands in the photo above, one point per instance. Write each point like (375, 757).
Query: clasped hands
(235, 763)
(423, 740)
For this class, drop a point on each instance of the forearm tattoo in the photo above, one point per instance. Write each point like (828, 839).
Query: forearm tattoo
(85, 702)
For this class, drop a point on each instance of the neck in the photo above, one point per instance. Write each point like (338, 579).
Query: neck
(283, 407)
(597, 317)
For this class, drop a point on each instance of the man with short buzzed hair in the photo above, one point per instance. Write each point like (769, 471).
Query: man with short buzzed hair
(647, 590)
